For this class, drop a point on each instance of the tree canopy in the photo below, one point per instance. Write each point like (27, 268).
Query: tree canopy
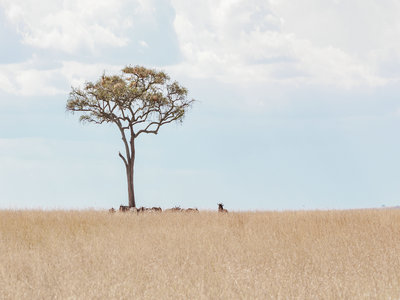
(138, 97)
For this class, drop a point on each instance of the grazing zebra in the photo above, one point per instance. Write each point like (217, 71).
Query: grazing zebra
(195, 210)
(142, 209)
(221, 208)
(174, 209)
(123, 208)
(145, 209)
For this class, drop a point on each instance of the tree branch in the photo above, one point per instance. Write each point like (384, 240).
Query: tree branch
(123, 159)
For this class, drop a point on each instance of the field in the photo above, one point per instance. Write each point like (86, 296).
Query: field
(260, 255)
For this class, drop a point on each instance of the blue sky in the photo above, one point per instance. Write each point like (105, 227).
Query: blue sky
(298, 103)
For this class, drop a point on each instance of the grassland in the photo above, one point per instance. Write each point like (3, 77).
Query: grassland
(263, 255)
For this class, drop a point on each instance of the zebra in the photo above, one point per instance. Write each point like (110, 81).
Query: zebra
(192, 210)
(124, 208)
(174, 209)
(145, 209)
(221, 208)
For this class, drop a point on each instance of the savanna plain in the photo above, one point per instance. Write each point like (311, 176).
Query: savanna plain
(352, 254)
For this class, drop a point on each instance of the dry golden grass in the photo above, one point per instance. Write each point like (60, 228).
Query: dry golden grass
(304, 255)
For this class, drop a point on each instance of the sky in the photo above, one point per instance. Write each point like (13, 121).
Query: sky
(297, 103)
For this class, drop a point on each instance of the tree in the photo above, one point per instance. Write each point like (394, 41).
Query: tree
(137, 101)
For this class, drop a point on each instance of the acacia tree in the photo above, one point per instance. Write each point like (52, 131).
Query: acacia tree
(137, 101)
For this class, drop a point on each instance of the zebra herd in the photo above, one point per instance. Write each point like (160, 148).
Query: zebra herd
(124, 208)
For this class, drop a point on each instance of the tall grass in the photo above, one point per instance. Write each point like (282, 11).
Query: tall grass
(263, 255)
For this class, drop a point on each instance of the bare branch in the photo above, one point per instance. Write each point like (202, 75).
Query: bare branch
(123, 159)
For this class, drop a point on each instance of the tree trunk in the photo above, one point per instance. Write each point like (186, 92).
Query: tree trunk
(129, 174)
(131, 190)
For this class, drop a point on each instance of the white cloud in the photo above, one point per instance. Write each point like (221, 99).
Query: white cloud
(29, 79)
(70, 26)
(143, 44)
(26, 80)
(5, 83)
(339, 43)
(307, 42)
